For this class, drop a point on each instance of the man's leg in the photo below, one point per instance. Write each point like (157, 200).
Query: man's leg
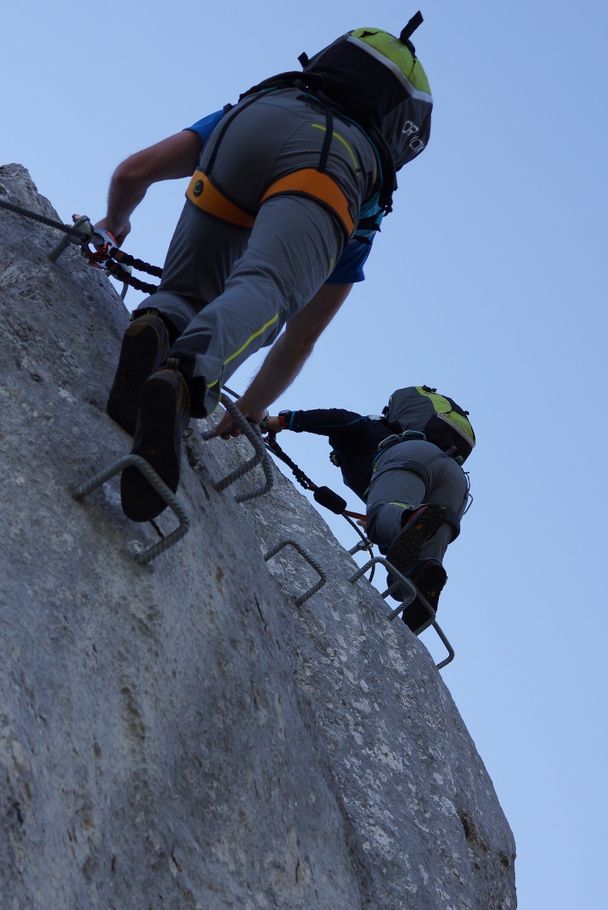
(293, 247)
(412, 473)
(189, 281)
(392, 495)
(409, 474)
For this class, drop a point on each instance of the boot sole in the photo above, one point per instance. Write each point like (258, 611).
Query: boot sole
(416, 616)
(154, 441)
(404, 552)
(140, 356)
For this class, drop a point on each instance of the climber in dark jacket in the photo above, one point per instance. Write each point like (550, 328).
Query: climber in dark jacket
(415, 492)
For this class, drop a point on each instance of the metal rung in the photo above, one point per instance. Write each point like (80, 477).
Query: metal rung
(365, 544)
(83, 224)
(311, 562)
(260, 456)
(161, 488)
(446, 644)
(400, 579)
(412, 594)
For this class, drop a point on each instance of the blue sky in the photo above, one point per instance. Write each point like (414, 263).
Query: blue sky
(487, 282)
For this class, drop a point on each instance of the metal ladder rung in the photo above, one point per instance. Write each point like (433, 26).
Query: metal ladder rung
(307, 558)
(161, 488)
(411, 595)
(260, 456)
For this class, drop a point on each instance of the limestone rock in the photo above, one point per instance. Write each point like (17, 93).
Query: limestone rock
(183, 735)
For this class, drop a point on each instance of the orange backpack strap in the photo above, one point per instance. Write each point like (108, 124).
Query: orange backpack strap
(316, 185)
(206, 196)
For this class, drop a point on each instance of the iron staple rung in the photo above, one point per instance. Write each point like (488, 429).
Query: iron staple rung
(362, 545)
(412, 594)
(409, 586)
(446, 644)
(307, 558)
(82, 222)
(161, 488)
(260, 455)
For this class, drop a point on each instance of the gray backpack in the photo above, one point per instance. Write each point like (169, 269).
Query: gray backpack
(442, 421)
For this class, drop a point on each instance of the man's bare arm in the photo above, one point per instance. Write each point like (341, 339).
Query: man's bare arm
(176, 156)
(289, 353)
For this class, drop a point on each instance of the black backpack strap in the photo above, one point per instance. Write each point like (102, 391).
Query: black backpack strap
(329, 134)
(225, 124)
(292, 78)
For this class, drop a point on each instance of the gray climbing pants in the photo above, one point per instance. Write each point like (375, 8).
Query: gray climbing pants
(406, 475)
(229, 289)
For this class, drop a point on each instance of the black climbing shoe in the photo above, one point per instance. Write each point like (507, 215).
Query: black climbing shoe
(164, 411)
(430, 578)
(145, 348)
(419, 525)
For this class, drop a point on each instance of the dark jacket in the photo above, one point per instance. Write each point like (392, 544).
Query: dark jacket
(353, 438)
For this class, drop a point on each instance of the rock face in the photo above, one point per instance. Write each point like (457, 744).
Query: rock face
(183, 735)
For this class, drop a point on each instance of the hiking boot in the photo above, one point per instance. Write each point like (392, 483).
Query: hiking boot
(164, 411)
(418, 526)
(145, 348)
(430, 578)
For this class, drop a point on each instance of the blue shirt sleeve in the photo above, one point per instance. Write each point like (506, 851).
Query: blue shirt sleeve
(349, 269)
(205, 127)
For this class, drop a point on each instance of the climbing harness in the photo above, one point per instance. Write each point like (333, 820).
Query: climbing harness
(314, 182)
(105, 255)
